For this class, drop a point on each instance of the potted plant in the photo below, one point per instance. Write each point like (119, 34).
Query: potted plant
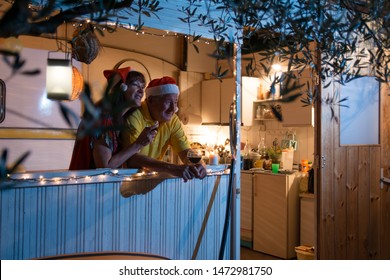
(275, 154)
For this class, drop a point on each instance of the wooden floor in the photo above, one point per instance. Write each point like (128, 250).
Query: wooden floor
(249, 254)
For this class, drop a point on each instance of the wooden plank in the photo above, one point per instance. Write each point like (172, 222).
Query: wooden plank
(364, 173)
(246, 213)
(34, 133)
(352, 202)
(270, 215)
(325, 216)
(374, 238)
(340, 192)
(385, 164)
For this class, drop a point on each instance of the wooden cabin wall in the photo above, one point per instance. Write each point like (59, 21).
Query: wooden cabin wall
(353, 212)
(385, 164)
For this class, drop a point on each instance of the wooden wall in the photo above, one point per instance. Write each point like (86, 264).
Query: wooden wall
(385, 164)
(352, 211)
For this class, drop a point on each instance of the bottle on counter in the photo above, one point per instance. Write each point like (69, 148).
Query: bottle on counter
(305, 165)
(262, 151)
(261, 147)
(247, 161)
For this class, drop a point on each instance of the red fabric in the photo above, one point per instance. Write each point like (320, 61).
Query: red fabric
(121, 71)
(82, 155)
(163, 81)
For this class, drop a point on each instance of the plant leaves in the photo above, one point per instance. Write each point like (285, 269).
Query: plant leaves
(18, 162)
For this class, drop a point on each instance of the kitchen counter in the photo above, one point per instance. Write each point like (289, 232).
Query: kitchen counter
(263, 171)
(270, 212)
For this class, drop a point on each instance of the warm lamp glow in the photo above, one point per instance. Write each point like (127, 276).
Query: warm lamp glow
(77, 83)
(59, 79)
(277, 67)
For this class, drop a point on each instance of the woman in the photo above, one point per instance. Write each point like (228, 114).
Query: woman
(101, 147)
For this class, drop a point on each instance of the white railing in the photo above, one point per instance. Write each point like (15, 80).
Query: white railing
(122, 213)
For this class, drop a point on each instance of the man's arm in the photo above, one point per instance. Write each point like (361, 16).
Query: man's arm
(142, 161)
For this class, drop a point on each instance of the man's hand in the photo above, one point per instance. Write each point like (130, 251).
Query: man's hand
(199, 170)
(147, 135)
(188, 172)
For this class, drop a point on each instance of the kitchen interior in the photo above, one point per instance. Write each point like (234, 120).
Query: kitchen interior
(277, 205)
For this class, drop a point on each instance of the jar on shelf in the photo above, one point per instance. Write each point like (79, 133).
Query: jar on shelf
(258, 112)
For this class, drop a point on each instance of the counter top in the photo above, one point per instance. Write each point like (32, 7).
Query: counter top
(262, 171)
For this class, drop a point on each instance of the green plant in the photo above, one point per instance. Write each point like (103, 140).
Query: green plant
(275, 153)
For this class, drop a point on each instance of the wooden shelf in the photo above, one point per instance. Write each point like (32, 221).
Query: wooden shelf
(262, 119)
(266, 100)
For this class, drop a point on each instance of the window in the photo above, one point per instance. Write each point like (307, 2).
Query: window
(359, 122)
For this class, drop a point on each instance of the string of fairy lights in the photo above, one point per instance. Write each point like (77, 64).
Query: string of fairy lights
(73, 178)
(98, 177)
(112, 26)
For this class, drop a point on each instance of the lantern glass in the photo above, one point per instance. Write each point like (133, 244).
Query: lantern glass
(59, 79)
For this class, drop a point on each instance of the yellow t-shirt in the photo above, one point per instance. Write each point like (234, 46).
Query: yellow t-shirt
(169, 134)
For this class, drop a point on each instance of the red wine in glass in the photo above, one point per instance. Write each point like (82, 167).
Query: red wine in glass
(194, 156)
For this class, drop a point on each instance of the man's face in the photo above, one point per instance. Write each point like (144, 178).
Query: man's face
(162, 108)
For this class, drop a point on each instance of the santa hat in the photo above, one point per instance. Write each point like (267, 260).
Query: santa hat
(117, 75)
(165, 85)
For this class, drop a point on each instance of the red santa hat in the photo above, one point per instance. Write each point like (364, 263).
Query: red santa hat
(118, 75)
(164, 85)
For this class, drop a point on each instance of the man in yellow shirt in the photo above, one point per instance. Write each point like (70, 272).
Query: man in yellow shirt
(160, 106)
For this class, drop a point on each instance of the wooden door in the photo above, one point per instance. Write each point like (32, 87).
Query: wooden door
(353, 212)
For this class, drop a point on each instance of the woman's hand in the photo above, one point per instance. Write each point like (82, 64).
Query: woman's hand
(147, 135)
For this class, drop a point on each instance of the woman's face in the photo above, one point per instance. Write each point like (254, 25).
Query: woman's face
(134, 93)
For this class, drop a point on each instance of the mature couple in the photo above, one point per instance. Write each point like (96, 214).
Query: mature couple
(136, 134)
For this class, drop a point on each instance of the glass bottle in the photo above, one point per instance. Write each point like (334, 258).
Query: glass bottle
(247, 161)
(258, 112)
(261, 148)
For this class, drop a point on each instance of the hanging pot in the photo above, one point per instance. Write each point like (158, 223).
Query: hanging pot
(85, 44)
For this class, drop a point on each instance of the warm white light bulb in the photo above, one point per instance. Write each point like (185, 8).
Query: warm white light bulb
(277, 67)
(59, 79)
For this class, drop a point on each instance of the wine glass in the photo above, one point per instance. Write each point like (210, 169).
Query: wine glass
(194, 155)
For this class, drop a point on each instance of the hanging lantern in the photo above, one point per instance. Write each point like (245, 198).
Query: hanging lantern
(77, 83)
(59, 79)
